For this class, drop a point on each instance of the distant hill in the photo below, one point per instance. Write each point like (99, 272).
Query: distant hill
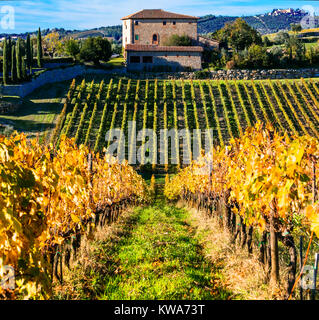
(271, 22)
(114, 32)
(278, 19)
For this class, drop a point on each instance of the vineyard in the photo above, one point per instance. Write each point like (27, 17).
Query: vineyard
(264, 187)
(48, 200)
(258, 181)
(225, 107)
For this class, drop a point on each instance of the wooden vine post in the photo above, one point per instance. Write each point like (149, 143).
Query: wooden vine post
(274, 272)
(314, 199)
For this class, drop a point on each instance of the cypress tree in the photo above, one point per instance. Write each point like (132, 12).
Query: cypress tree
(29, 53)
(24, 69)
(32, 55)
(13, 65)
(39, 49)
(9, 52)
(19, 59)
(5, 62)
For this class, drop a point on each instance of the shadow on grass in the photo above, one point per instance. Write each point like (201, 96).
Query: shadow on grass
(27, 125)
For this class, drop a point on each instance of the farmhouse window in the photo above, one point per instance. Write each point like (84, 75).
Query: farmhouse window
(136, 23)
(174, 23)
(137, 37)
(164, 23)
(135, 59)
(155, 39)
(147, 59)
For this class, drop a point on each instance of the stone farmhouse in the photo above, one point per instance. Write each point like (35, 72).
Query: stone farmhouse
(144, 37)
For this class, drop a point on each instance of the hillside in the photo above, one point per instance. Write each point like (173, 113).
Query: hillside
(265, 23)
(278, 19)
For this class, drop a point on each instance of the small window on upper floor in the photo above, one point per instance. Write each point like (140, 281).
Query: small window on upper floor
(137, 37)
(164, 23)
(136, 23)
(174, 23)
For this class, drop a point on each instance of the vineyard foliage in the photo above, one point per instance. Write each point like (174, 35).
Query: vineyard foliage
(46, 196)
(263, 154)
(227, 107)
(264, 172)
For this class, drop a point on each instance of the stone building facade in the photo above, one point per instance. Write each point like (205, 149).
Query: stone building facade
(146, 58)
(144, 37)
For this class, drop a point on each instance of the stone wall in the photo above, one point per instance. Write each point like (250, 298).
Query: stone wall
(65, 74)
(52, 76)
(235, 74)
(127, 31)
(264, 74)
(8, 107)
(174, 60)
(146, 28)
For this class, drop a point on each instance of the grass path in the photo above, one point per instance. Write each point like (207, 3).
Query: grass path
(156, 256)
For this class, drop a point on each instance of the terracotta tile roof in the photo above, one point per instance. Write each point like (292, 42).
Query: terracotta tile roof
(157, 14)
(140, 47)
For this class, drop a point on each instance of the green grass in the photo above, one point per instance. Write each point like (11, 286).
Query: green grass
(157, 256)
(115, 63)
(38, 111)
(311, 44)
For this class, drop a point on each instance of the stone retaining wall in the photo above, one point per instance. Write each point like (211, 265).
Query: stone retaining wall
(68, 73)
(8, 107)
(52, 76)
(235, 74)
(264, 74)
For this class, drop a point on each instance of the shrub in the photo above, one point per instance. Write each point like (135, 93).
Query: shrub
(201, 74)
(96, 49)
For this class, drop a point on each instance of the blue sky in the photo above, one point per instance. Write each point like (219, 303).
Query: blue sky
(83, 14)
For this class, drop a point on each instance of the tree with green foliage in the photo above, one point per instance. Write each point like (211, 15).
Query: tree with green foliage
(95, 50)
(29, 54)
(281, 37)
(179, 41)
(266, 41)
(24, 69)
(296, 50)
(19, 59)
(257, 56)
(13, 64)
(295, 27)
(238, 35)
(39, 49)
(9, 46)
(5, 63)
(116, 48)
(72, 48)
